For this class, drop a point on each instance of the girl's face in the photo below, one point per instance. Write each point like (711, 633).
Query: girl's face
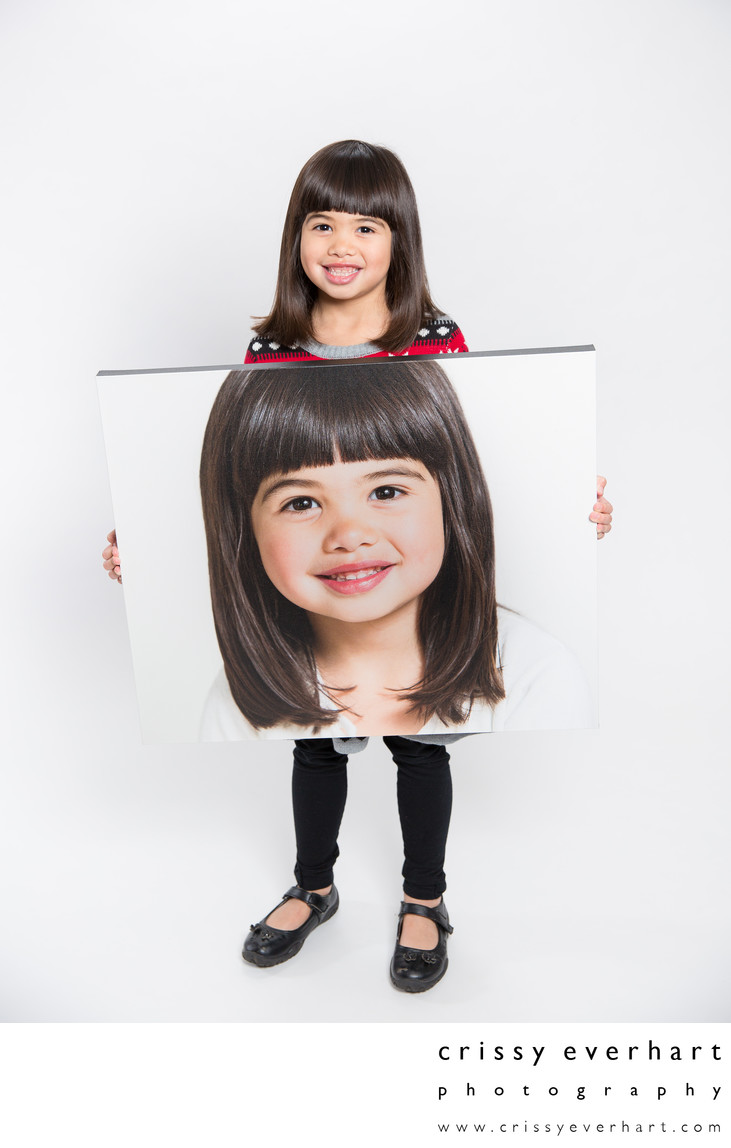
(356, 541)
(346, 256)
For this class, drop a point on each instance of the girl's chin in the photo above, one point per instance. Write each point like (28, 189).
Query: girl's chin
(359, 612)
(355, 617)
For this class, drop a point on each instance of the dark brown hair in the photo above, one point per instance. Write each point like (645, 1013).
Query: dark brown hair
(361, 179)
(266, 422)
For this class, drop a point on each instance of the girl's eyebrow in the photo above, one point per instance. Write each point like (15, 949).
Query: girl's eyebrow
(391, 472)
(327, 215)
(281, 483)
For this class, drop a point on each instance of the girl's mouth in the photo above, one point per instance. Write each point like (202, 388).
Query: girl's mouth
(337, 273)
(354, 579)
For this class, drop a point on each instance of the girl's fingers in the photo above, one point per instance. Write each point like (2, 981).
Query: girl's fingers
(113, 568)
(110, 554)
(602, 512)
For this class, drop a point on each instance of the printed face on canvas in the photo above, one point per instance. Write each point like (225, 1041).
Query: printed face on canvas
(354, 542)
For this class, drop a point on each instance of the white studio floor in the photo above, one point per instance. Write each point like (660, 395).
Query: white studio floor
(132, 889)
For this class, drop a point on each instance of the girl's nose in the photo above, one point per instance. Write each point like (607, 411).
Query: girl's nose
(347, 533)
(341, 243)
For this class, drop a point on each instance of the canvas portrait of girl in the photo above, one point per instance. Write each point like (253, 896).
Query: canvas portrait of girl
(358, 547)
(352, 565)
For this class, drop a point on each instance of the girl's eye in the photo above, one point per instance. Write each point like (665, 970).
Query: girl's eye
(301, 504)
(386, 493)
(369, 230)
(322, 227)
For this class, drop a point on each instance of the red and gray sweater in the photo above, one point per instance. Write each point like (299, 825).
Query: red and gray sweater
(437, 337)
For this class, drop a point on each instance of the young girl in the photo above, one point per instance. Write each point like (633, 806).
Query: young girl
(351, 558)
(352, 281)
(352, 284)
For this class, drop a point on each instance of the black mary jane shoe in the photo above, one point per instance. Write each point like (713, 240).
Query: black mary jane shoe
(416, 970)
(267, 946)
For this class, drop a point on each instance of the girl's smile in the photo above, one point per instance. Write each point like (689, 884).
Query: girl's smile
(355, 541)
(356, 578)
(342, 274)
(346, 256)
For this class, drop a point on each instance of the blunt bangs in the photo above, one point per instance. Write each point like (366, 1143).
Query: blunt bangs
(314, 416)
(359, 179)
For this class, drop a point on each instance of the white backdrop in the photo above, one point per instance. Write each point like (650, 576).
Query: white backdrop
(573, 180)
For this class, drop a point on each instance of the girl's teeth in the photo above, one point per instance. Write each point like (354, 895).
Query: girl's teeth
(342, 270)
(356, 576)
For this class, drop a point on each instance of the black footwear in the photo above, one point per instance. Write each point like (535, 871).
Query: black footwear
(267, 946)
(416, 970)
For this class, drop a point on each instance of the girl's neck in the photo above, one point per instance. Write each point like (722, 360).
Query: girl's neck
(348, 322)
(366, 666)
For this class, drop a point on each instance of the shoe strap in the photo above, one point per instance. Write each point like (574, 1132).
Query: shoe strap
(316, 901)
(438, 914)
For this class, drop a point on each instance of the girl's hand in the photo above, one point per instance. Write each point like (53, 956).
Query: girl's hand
(602, 512)
(110, 554)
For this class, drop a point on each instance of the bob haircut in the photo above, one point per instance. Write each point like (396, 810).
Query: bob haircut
(267, 422)
(361, 179)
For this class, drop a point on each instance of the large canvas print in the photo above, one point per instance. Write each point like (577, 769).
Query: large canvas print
(395, 547)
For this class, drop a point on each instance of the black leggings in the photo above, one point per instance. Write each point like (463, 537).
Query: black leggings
(424, 791)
